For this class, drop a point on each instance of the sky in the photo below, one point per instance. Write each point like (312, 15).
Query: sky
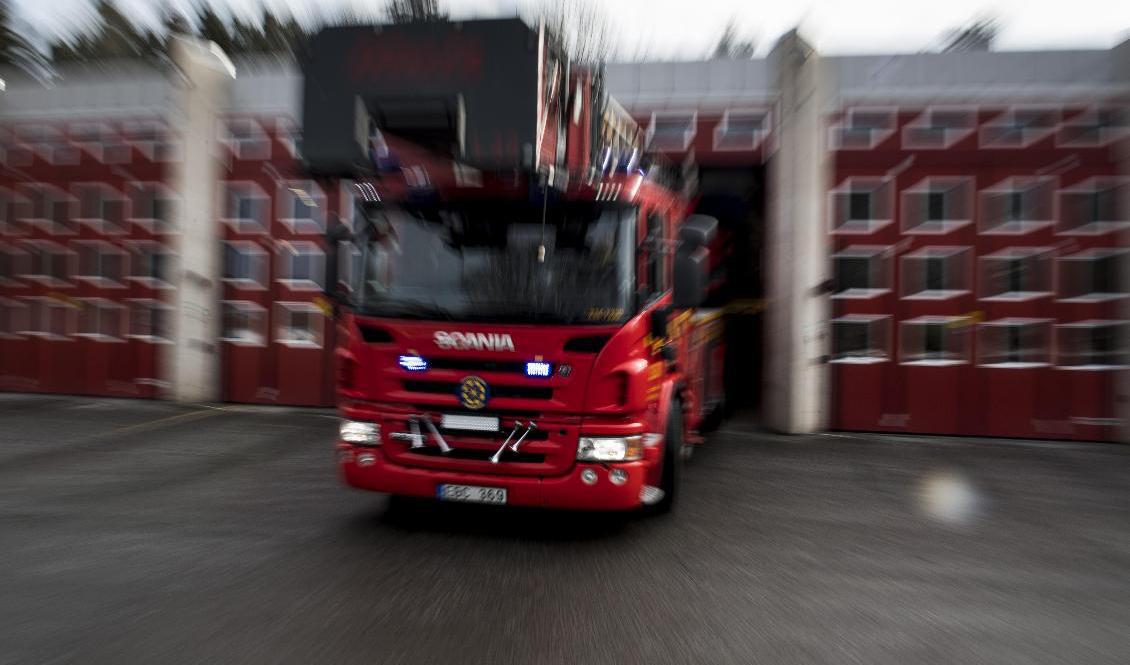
(682, 29)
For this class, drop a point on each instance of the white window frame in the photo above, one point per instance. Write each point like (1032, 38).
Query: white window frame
(258, 338)
(849, 227)
(1046, 253)
(18, 264)
(1107, 134)
(10, 205)
(1008, 186)
(101, 141)
(951, 136)
(16, 314)
(1089, 186)
(43, 305)
(137, 249)
(164, 193)
(103, 248)
(1091, 254)
(286, 131)
(756, 139)
(930, 252)
(1089, 324)
(870, 319)
(52, 247)
(52, 195)
(283, 310)
(153, 138)
(290, 190)
(150, 303)
(871, 252)
(688, 134)
(252, 145)
(85, 304)
(287, 250)
(925, 187)
(253, 191)
(1029, 137)
(260, 265)
(1010, 322)
(959, 323)
(876, 136)
(109, 195)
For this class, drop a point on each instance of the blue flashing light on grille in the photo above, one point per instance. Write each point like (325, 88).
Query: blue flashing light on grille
(539, 369)
(413, 363)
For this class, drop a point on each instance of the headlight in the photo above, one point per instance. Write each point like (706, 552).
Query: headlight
(610, 448)
(355, 431)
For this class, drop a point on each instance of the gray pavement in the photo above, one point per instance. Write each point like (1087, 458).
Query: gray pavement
(134, 532)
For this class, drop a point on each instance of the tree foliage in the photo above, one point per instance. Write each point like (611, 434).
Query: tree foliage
(731, 45)
(410, 11)
(583, 30)
(15, 50)
(978, 35)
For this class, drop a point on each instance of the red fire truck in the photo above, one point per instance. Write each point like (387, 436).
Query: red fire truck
(520, 322)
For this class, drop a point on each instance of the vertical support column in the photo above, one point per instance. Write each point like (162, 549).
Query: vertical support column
(797, 345)
(1121, 56)
(201, 87)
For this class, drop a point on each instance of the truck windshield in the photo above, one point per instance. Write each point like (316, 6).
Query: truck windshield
(487, 262)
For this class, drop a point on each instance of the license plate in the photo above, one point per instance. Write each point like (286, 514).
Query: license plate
(472, 423)
(471, 494)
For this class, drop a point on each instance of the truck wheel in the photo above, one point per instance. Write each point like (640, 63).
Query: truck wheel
(672, 460)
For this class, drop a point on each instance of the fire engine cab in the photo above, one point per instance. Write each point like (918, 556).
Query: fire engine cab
(519, 295)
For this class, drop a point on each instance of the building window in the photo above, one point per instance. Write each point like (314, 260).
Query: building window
(10, 206)
(671, 131)
(1096, 206)
(862, 205)
(863, 129)
(302, 206)
(349, 264)
(45, 206)
(937, 205)
(47, 261)
(245, 264)
(150, 203)
(1018, 205)
(1016, 273)
(13, 263)
(302, 265)
(1093, 128)
(245, 323)
(741, 129)
(1015, 343)
(939, 128)
(1093, 344)
(936, 273)
(153, 139)
(101, 319)
(861, 338)
(1019, 127)
(98, 204)
(934, 340)
(149, 319)
(290, 135)
(299, 324)
(1094, 275)
(149, 263)
(246, 139)
(245, 207)
(861, 271)
(13, 318)
(100, 262)
(101, 141)
(50, 317)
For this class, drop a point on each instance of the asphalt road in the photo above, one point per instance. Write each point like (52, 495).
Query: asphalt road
(135, 532)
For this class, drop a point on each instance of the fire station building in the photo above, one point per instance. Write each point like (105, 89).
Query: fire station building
(931, 243)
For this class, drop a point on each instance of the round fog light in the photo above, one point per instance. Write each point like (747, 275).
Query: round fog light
(618, 476)
(588, 476)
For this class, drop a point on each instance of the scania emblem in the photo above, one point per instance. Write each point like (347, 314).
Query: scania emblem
(473, 392)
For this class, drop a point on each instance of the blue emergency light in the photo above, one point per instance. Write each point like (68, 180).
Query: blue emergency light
(413, 363)
(539, 369)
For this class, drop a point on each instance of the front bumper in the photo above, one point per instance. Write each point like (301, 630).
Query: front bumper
(368, 468)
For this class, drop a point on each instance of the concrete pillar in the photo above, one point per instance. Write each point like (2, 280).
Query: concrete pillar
(797, 336)
(201, 85)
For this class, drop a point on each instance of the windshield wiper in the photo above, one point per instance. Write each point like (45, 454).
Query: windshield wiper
(411, 309)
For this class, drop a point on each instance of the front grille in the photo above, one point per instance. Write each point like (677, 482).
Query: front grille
(478, 455)
(451, 388)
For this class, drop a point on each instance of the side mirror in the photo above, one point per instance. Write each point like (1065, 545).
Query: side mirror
(692, 261)
(659, 317)
(335, 235)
